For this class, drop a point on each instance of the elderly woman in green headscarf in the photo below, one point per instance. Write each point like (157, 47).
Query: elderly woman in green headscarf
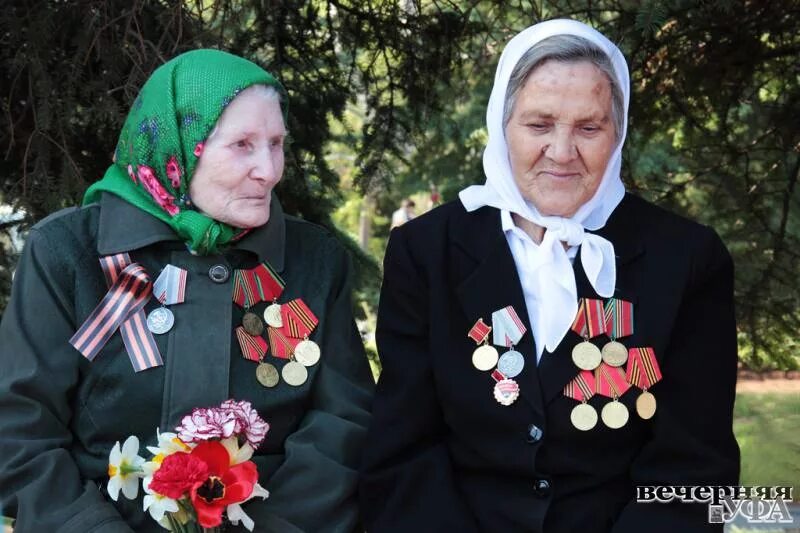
(178, 285)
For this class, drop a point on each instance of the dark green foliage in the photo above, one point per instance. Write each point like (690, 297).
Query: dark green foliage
(714, 129)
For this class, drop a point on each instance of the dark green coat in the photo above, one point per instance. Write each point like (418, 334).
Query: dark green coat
(60, 414)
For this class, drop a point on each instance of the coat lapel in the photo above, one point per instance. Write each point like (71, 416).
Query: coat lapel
(494, 284)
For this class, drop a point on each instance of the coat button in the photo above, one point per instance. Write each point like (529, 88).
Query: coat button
(534, 434)
(541, 488)
(219, 273)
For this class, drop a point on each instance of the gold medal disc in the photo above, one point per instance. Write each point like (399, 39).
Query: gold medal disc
(485, 357)
(267, 375)
(615, 353)
(294, 373)
(614, 414)
(307, 353)
(252, 324)
(646, 405)
(272, 316)
(583, 417)
(586, 356)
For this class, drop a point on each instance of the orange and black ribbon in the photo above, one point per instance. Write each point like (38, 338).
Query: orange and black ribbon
(121, 308)
(253, 348)
(610, 381)
(643, 369)
(582, 387)
(590, 319)
(298, 320)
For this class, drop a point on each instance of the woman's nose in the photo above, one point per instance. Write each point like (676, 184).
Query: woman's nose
(562, 146)
(265, 168)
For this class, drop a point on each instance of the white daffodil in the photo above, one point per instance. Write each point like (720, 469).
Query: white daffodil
(236, 513)
(125, 469)
(156, 504)
(168, 443)
(238, 454)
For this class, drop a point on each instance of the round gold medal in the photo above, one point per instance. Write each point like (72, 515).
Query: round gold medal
(272, 316)
(307, 353)
(646, 405)
(583, 417)
(586, 356)
(252, 324)
(294, 373)
(615, 353)
(485, 357)
(267, 375)
(614, 414)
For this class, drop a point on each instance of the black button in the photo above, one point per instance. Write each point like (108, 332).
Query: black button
(541, 488)
(534, 434)
(219, 273)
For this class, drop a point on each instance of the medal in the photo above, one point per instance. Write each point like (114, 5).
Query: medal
(507, 330)
(506, 391)
(618, 324)
(294, 374)
(646, 405)
(485, 356)
(586, 355)
(252, 324)
(615, 353)
(267, 375)
(307, 352)
(511, 363)
(610, 382)
(581, 388)
(169, 288)
(589, 323)
(272, 315)
(259, 284)
(160, 320)
(281, 346)
(643, 372)
(614, 414)
(583, 417)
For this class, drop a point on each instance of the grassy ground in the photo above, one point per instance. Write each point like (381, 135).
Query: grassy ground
(767, 426)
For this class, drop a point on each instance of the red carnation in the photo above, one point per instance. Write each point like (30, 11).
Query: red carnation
(177, 475)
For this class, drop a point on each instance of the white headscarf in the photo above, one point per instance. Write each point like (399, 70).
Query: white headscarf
(555, 282)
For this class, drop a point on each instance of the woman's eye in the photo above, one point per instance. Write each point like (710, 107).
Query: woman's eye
(242, 143)
(589, 129)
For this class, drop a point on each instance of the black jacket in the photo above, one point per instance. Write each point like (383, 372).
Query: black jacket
(445, 456)
(60, 414)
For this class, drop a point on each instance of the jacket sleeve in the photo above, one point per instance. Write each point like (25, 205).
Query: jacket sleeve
(40, 484)
(692, 438)
(314, 489)
(407, 479)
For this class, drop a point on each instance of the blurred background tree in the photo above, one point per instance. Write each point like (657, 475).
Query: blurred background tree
(387, 101)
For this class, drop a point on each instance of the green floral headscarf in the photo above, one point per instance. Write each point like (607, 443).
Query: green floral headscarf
(164, 135)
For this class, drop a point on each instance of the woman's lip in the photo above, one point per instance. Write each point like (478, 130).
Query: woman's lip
(560, 175)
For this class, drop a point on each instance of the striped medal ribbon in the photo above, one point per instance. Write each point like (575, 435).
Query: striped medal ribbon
(581, 388)
(643, 372)
(618, 324)
(121, 308)
(589, 323)
(610, 382)
(298, 323)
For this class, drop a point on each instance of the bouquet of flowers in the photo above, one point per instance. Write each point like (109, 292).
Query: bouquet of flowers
(198, 473)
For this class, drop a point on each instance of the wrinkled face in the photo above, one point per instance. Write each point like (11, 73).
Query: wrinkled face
(242, 161)
(561, 135)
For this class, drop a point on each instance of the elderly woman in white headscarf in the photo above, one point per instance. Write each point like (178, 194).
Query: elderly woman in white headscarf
(552, 346)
